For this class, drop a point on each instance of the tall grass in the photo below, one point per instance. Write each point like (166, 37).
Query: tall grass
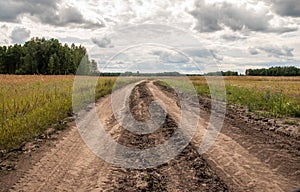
(275, 104)
(276, 97)
(30, 104)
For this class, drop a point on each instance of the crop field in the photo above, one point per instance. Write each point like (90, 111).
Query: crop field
(30, 104)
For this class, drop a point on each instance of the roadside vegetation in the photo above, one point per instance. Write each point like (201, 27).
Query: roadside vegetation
(272, 96)
(30, 104)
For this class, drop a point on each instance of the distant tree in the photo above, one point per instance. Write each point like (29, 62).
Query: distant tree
(274, 71)
(222, 73)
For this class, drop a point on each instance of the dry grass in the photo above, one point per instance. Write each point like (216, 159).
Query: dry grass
(289, 86)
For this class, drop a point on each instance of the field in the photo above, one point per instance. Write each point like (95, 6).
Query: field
(30, 104)
(263, 150)
(272, 96)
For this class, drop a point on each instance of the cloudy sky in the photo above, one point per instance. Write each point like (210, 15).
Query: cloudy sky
(169, 35)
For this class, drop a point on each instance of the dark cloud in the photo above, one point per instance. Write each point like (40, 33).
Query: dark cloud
(273, 51)
(20, 35)
(70, 16)
(48, 12)
(105, 42)
(286, 7)
(11, 11)
(214, 17)
(207, 18)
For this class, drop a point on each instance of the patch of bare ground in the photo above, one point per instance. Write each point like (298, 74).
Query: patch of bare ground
(187, 172)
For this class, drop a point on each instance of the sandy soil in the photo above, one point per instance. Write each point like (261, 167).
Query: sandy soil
(245, 156)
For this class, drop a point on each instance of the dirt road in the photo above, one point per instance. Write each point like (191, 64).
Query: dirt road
(243, 158)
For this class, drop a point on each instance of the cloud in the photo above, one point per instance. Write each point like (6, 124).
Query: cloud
(253, 51)
(20, 35)
(215, 55)
(229, 37)
(273, 51)
(48, 12)
(286, 7)
(197, 53)
(105, 42)
(217, 16)
(10, 11)
(70, 16)
(171, 57)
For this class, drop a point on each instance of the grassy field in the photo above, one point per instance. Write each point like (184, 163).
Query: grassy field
(30, 104)
(272, 96)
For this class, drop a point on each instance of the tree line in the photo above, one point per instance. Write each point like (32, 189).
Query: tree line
(47, 57)
(50, 57)
(222, 73)
(274, 71)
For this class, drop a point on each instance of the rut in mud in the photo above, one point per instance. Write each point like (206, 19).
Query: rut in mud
(245, 157)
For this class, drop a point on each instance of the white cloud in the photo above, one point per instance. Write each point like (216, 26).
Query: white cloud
(240, 34)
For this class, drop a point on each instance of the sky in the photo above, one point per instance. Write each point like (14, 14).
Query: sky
(188, 36)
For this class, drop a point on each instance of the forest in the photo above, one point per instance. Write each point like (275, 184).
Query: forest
(46, 57)
(274, 71)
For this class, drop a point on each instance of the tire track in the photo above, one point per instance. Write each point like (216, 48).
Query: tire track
(187, 172)
(243, 160)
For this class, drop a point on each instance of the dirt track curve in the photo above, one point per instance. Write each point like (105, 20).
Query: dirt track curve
(243, 158)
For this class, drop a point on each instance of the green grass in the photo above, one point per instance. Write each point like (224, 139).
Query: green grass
(290, 122)
(30, 104)
(274, 104)
(263, 100)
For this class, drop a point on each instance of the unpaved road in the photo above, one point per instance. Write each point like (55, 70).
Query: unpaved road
(243, 158)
